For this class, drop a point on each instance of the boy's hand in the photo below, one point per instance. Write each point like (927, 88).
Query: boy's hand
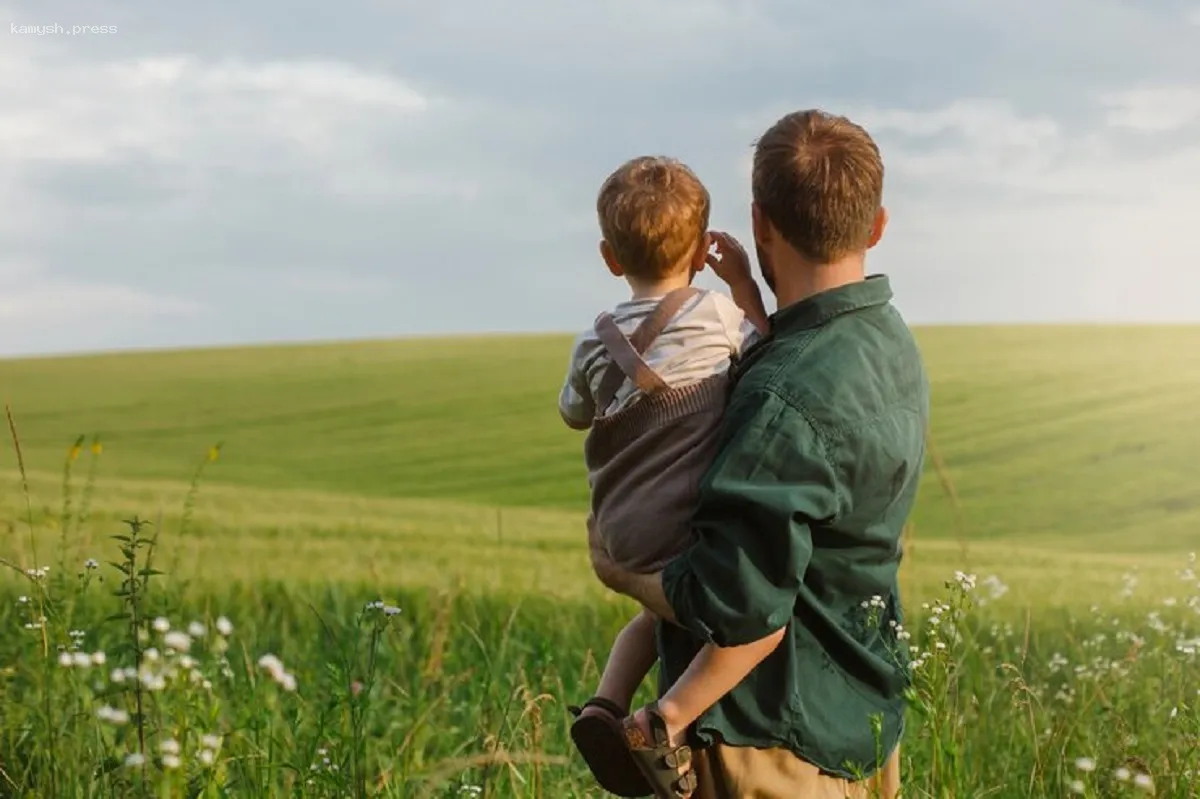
(730, 261)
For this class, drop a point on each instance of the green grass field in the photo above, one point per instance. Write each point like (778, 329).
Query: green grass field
(437, 475)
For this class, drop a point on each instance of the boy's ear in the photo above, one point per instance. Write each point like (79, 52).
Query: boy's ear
(700, 257)
(877, 228)
(610, 259)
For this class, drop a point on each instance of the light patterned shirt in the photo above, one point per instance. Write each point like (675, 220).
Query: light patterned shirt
(697, 343)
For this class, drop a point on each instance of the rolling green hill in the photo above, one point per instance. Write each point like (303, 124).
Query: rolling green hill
(1069, 439)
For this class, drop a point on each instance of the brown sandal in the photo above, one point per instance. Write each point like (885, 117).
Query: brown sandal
(600, 738)
(658, 760)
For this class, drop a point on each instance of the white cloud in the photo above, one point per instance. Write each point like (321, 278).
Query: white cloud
(978, 187)
(1154, 110)
(320, 118)
(42, 312)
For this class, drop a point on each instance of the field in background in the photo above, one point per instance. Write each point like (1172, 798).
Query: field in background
(436, 475)
(1078, 438)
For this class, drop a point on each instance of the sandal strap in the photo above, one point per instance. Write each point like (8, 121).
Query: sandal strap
(678, 757)
(602, 703)
(658, 725)
(686, 784)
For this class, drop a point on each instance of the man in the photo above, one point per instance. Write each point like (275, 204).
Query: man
(799, 519)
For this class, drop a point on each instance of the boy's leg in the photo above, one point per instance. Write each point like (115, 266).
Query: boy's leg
(597, 731)
(633, 654)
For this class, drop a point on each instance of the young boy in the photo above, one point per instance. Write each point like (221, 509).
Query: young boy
(649, 382)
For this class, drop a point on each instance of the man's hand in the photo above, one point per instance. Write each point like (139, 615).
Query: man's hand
(644, 588)
(730, 261)
(606, 570)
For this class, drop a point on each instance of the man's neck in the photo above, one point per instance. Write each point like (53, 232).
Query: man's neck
(797, 279)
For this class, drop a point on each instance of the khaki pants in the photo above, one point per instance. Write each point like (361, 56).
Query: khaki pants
(733, 772)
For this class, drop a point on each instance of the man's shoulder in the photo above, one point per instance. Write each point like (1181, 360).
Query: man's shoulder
(855, 368)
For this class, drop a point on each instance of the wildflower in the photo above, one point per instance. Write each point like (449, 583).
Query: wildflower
(99, 658)
(22, 600)
(135, 759)
(270, 663)
(1085, 764)
(169, 746)
(224, 626)
(161, 625)
(206, 757)
(996, 588)
(91, 564)
(1077, 786)
(117, 676)
(1143, 782)
(274, 667)
(151, 655)
(966, 582)
(178, 641)
(196, 630)
(112, 715)
(170, 761)
(82, 660)
(390, 610)
(1122, 774)
(65, 660)
(211, 741)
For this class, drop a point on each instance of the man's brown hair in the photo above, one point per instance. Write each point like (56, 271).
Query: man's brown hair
(818, 179)
(653, 213)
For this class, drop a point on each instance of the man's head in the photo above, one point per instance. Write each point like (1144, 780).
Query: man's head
(654, 218)
(818, 192)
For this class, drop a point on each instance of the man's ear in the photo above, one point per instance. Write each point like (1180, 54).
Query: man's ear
(878, 227)
(764, 232)
(610, 259)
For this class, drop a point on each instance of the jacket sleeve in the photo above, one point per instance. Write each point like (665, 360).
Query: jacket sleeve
(770, 482)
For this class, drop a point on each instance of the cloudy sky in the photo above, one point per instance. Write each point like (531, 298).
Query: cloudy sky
(224, 172)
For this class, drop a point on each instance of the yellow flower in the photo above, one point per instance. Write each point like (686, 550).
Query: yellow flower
(213, 452)
(97, 448)
(74, 453)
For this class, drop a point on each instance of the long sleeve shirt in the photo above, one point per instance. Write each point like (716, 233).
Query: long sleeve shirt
(799, 525)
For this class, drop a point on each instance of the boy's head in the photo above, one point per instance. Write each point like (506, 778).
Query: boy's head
(654, 218)
(818, 186)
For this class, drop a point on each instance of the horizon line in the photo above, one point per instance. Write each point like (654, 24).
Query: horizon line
(314, 343)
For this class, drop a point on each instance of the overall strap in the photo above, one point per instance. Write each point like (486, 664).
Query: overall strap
(626, 353)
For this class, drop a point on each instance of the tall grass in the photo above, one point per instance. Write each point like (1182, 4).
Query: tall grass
(117, 681)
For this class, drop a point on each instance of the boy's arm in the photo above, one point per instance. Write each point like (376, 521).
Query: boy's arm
(733, 266)
(575, 405)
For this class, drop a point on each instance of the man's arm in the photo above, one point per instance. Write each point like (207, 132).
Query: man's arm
(769, 482)
(644, 588)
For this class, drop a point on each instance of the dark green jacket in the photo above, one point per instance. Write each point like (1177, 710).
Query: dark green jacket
(799, 523)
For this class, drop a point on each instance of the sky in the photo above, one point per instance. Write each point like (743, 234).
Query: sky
(229, 172)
